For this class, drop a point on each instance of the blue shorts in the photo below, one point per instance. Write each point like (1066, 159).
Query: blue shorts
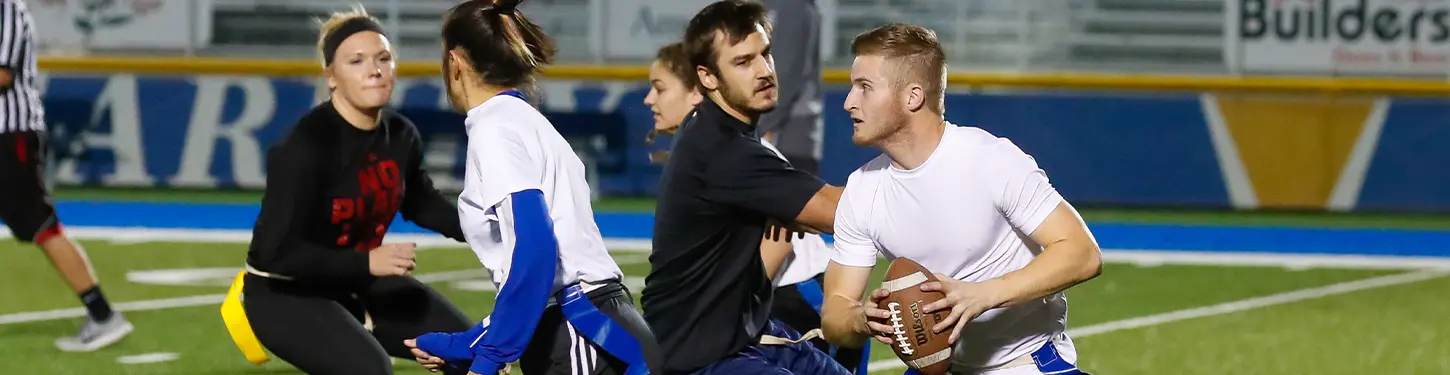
(798, 359)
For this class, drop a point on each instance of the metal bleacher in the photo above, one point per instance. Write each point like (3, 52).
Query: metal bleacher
(1102, 35)
(1151, 34)
(1009, 35)
(979, 34)
(288, 28)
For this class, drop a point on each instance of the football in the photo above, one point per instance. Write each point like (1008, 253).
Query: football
(913, 340)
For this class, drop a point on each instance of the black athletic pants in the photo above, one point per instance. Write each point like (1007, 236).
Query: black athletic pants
(320, 331)
(792, 309)
(557, 348)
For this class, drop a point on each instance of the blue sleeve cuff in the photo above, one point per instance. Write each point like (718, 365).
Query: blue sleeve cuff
(453, 347)
(483, 366)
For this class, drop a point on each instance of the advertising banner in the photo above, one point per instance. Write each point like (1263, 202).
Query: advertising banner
(1396, 37)
(1099, 148)
(160, 24)
(635, 29)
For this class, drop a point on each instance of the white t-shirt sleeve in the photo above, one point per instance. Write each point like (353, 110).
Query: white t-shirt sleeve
(505, 166)
(853, 246)
(1025, 196)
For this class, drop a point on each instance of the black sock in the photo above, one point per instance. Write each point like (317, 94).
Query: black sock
(96, 304)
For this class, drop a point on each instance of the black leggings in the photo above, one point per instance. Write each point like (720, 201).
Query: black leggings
(321, 332)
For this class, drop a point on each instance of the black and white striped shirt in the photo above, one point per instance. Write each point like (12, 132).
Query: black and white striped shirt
(20, 106)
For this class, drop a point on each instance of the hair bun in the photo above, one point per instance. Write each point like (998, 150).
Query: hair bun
(504, 5)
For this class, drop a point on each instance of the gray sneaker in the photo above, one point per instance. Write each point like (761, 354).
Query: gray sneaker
(96, 334)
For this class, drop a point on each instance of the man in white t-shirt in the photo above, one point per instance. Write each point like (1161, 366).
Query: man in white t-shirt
(971, 207)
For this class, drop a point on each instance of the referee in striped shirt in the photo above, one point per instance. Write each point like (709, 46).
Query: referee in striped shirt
(25, 204)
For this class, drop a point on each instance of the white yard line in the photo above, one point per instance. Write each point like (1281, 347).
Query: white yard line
(642, 245)
(148, 358)
(634, 283)
(125, 235)
(132, 235)
(153, 304)
(196, 300)
(1226, 308)
(1291, 261)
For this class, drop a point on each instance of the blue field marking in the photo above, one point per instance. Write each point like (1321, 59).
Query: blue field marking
(159, 214)
(1435, 243)
(244, 215)
(1394, 242)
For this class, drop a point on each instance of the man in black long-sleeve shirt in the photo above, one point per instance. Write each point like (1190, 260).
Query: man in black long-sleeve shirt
(322, 291)
(708, 297)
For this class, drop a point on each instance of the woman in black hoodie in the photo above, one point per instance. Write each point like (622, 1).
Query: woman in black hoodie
(322, 291)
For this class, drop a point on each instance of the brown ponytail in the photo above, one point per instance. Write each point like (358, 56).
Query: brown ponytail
(504, 47)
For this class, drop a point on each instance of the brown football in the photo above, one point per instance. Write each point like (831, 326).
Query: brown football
(914, 342)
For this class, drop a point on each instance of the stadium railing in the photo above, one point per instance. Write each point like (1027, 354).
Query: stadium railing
(989, 34)
(960, 80)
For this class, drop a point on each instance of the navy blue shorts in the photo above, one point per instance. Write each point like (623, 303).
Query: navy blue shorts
(798, 359)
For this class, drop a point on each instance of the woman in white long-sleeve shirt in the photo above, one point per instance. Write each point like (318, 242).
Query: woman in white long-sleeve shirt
(525, 211)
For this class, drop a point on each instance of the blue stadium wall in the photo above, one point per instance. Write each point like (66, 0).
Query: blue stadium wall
(1112, 148)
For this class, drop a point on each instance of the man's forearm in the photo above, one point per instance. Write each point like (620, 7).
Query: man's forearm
(1060, 266)
(843, 317)
(819, 215)
(774, 253)
(840, 319)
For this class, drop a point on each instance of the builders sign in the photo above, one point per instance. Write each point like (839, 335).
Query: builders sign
(1338, 36)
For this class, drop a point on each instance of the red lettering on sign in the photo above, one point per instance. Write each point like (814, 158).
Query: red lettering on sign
(1345, 55)
(1421, 57)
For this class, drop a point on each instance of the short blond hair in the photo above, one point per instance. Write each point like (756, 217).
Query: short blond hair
(915, 54)
(335, 21)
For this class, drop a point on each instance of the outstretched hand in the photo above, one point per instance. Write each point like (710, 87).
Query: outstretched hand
(423, 358)
(435, 350)
(778, 231)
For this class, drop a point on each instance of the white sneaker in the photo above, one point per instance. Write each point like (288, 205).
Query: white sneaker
(96, 334)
